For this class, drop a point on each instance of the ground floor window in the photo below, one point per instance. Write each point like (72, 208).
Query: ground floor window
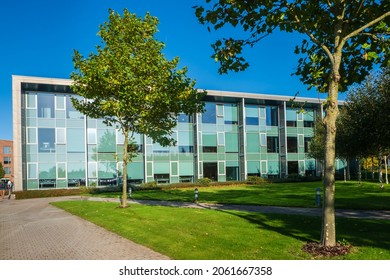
(232, 173)
(210, 170)
(293, 167)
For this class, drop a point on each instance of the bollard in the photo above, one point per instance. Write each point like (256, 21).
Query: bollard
(318, 197)
(196, 194)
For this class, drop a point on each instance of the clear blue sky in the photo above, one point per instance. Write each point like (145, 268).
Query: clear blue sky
(39, 37)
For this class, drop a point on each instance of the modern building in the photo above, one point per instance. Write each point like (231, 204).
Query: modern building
(6, 157)
(238, 135)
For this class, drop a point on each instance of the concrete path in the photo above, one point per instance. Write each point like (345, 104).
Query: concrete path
(32, 229)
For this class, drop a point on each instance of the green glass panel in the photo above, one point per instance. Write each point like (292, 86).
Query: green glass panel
(253, 167)
(75, 139)
(47, 170)
(76, 170)
(106, 141)
(174, 169)
(149, 169)
(107, 169)
(273, 167)
(231, 142)
(32, 184)
(252, 140)
(186, 168)
(209, 139)
(161, 168)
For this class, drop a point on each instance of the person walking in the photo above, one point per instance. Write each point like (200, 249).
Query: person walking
(10, 185)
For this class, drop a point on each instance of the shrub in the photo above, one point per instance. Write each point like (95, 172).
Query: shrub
(204, 182)
(47, 193)
(255, 180)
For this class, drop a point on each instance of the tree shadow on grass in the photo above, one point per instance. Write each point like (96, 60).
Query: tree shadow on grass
(357, 232)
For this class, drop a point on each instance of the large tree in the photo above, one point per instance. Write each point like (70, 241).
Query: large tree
(131, 85)
(344, 39)
(366, 118)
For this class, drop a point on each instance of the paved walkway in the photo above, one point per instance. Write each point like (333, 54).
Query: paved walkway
(32, 229)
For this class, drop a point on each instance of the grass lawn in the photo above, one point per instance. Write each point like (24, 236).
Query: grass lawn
(348, 195)
(201, 234)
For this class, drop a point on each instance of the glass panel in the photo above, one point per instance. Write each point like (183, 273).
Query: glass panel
(161, 167)
(231, 142)
(106, 141)
(272, 116)
(32, 171)
(273, 167)
(252, 115)
(92, 169)
(263, 138)
(292, 145)
(262, 112)
(253, 168)
(7, 150)
(231, 114)
(209, 116)
(92, 136)
(220, 110)
(183, 118)
(135, 170)
(60, 102)
(221, 168)
(186, 168)
(47, 171)
(272, 144)
(60, 135)
(31, 135)
(45, 105)
(71, 112)
(75, 139)
(263, 167)
(31, 101)
(46, 140)
(252, 143)
(174, 168)
(61, 170)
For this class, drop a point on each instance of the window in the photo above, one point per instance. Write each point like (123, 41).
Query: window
(45, 105)
(210, 114)
(31, 101)
(220, 111)
(209, 141)
(31, 135)
(7, 150)
(231, 114)
(252, 143)
(7, 170)
(60, 102)
(252, 115)
(75, 139)
(61, 170)
(263, 139)
(92, 136)
(291, 117)
(32, 170)
(292, 167)
(308, 118)
(272, 116)
(292, 144)
(210, 170)
(307, 144)
(7, 160)
(272, 144)
(46, 140)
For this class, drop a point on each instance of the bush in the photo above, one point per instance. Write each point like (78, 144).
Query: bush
(204, 182)
(47, 193)
(255, 180)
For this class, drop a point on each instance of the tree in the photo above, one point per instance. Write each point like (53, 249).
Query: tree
(366, 118)
(131, 85)
(2, 172)
(344, 39)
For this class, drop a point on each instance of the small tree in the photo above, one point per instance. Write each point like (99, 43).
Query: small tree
(2, 172)
(132, 86)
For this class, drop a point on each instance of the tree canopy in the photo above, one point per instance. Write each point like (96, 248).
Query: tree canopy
(131, 85)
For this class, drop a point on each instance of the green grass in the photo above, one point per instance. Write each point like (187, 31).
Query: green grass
(201, 234)
(348, 195)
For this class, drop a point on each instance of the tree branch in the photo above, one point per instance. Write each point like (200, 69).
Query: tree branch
(371, 23)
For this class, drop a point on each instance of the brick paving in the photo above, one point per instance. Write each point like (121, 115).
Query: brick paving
(32, 229)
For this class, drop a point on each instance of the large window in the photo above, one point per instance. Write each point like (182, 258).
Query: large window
(292, 144)
(183, 118)
(45, 105)
(272, 144)
(307, 144)
(185, 142)
(210, 170)
(231, 142)
(46, 140)
(308, 118)
(71, 112)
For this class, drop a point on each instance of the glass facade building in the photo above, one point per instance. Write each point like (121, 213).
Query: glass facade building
(238, 135)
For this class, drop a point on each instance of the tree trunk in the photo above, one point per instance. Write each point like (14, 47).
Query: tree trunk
(380, 173)
(372, 169)
(125, 155)
(359, 172)
(386, 175)
(348, 170)
(328, 235)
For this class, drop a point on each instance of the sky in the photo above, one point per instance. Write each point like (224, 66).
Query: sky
(38, 39)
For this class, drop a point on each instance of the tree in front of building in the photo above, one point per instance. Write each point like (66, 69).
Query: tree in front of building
(2, 172)
(343, 40)
(131, 85)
